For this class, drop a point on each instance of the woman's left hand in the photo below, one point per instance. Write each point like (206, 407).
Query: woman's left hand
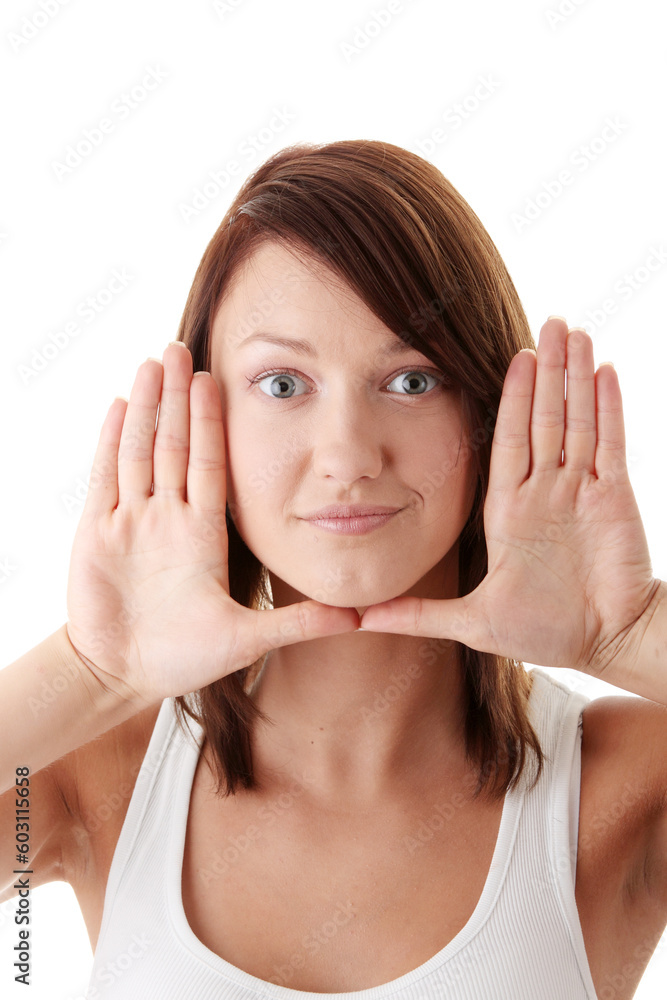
(569, 573)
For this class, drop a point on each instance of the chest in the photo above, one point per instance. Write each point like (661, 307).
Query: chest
(322, 901)
(330, 902)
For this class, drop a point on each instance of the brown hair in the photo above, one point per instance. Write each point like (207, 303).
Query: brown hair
(397, 232)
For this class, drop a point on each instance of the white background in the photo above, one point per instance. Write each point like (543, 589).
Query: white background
(552, 83)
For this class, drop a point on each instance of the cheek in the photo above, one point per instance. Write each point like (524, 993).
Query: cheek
(440, 465)
(258, 469)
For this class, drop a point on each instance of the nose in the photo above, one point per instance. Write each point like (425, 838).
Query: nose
(347, 441)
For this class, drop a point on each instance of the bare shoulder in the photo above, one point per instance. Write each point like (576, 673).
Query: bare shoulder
(627, 737)
(624, 788)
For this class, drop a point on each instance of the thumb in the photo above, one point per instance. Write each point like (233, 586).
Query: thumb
(434, 619)
(301, 621)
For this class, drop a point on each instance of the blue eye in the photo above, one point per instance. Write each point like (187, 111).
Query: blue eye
(279, 384)
(415, 380)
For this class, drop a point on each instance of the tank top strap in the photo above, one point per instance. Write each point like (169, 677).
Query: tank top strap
(556, 714)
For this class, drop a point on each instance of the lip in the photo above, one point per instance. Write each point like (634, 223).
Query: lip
(355, 519)
(339, 510)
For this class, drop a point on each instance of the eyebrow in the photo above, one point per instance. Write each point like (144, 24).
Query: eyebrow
(305, 347)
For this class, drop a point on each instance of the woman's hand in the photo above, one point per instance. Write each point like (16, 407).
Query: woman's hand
(148, 591)
(569, 572)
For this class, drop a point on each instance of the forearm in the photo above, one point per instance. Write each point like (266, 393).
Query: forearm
(640, 664)
(51, 703)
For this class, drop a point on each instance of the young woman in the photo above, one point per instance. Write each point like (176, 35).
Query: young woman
(251, 796)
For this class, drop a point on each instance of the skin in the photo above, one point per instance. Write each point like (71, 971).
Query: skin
(351, 432)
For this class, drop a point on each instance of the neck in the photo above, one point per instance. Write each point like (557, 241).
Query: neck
(360, 717)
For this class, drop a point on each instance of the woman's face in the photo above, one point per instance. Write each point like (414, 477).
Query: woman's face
(339, 423)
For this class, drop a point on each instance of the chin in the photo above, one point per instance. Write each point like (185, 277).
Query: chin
(339, 588)
(352, 597)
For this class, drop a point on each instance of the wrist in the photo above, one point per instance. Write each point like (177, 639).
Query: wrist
(109, 695)
(639, 662)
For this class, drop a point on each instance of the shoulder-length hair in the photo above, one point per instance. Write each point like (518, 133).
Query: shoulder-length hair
(397, 232)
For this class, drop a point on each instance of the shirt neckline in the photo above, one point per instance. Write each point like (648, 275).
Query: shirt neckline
(188, 759)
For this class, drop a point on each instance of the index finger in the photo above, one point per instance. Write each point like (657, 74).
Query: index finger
(510, 451)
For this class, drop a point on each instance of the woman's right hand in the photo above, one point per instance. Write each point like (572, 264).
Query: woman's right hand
(148, 599)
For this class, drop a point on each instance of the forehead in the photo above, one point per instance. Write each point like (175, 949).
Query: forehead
(281, 292)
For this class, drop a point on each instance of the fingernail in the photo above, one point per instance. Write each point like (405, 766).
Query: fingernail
(179, 342)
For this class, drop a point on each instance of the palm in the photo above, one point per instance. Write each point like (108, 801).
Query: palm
(155, 579)
(569, 571)
(568, 568)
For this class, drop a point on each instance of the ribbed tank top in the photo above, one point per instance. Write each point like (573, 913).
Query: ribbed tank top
(522, 942)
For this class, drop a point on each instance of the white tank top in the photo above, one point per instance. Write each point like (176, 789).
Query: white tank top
(522, 942)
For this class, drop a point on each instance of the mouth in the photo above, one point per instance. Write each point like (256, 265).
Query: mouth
(349, 510)
(351, 520)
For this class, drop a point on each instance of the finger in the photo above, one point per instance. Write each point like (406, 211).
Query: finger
(135, 452)
(299, 622)
(434, 619)
(102, 494)
(510, 452)
(548, 415)
(580, 422)
(172, 437)
(610, 458)
(206, 481)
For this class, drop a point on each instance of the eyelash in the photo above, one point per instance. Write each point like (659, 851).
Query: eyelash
(442, 379)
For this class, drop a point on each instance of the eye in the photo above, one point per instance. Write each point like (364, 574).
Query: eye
(415, 382)
(279, 383)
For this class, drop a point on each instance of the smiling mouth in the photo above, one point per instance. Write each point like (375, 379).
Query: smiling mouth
(357, 524)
